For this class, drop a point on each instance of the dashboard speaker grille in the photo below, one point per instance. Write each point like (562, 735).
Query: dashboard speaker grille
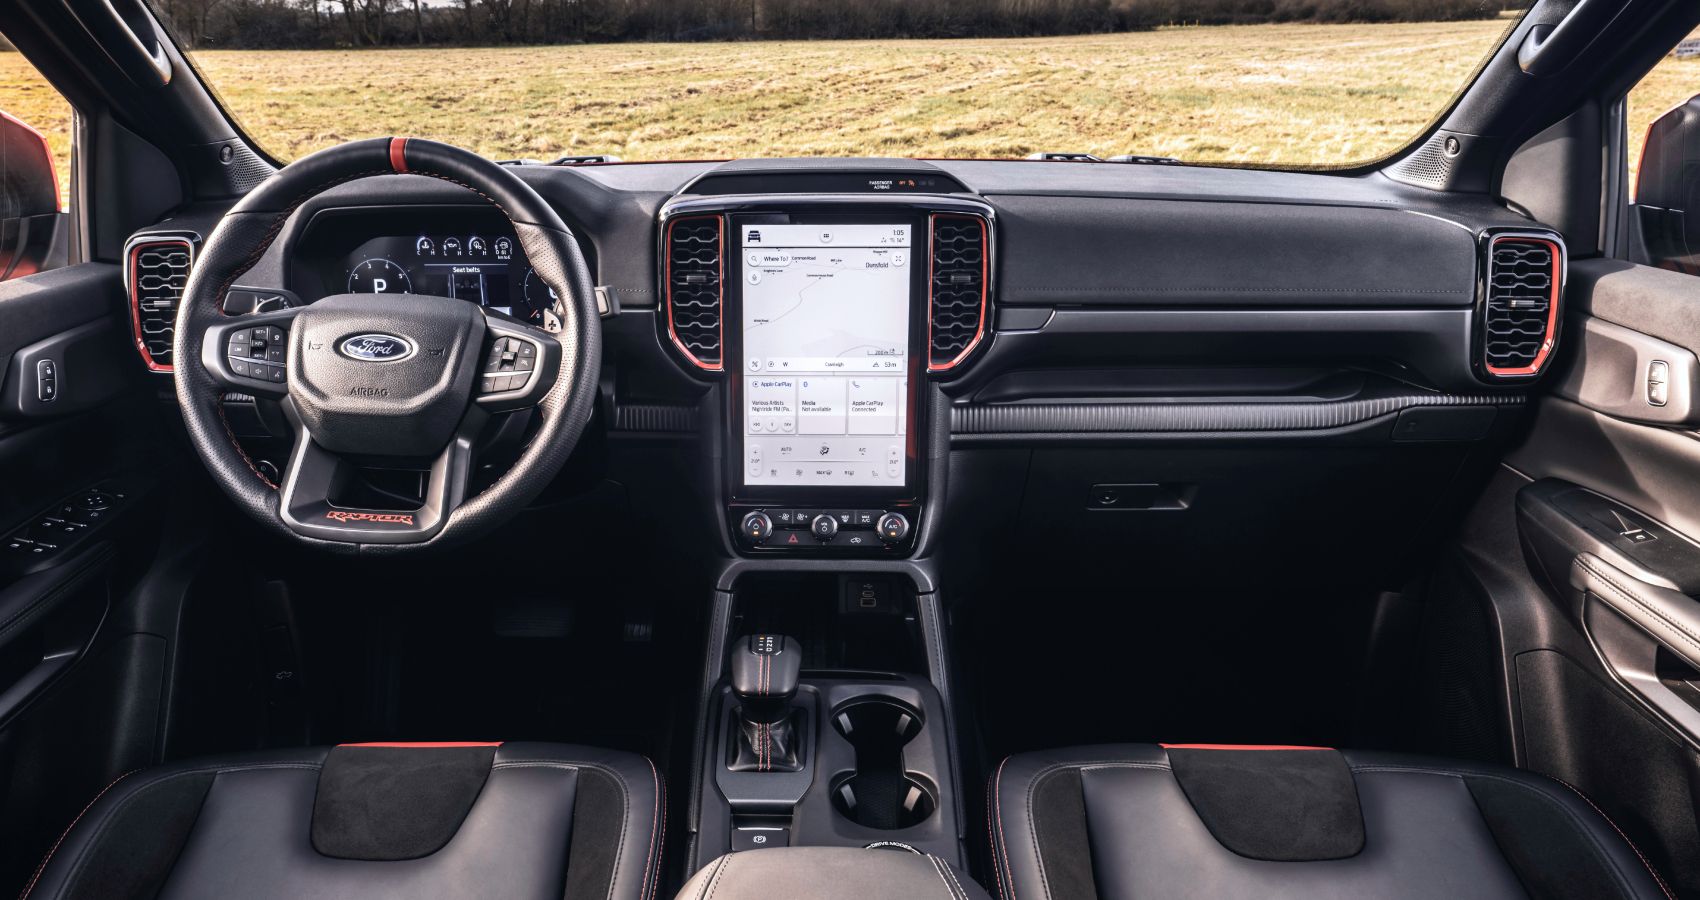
(956, 312)
(695, 294)
(1520, 313)
(1428, 166)
(158, 271)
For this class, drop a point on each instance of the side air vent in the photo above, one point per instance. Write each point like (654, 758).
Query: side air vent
(1520, 315)
(159, 268)
(695, 296)
(956, 312)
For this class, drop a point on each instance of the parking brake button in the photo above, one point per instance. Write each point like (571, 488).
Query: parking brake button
(757, 837)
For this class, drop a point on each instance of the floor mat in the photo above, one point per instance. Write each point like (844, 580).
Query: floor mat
(1096, 664)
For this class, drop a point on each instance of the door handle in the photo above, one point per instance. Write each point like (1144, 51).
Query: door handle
(1668, 616)
(1631, 625)
(130, 26)
(1629, 582)
(60, 609)
(26, 686)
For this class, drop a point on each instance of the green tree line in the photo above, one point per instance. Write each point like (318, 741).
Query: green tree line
(268, 24)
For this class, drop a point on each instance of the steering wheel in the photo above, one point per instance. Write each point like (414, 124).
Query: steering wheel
(386, 377)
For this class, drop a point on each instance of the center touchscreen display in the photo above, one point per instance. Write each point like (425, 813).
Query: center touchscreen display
(826, 341)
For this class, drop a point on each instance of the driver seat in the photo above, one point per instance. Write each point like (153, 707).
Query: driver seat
(415, 821)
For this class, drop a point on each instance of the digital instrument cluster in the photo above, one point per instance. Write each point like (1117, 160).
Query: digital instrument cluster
(484, 268)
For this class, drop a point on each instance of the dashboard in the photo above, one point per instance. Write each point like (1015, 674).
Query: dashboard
(838, 338)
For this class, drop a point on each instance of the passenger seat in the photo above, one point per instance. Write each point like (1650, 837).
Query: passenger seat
(516, 821)
(1140, 821)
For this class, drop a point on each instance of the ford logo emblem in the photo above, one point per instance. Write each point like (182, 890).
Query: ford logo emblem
(378, 348)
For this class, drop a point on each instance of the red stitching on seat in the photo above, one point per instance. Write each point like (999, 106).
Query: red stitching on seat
(645, 887)
(1239, 747)
(67, 833)
(425, 744)
(1000, 847)
(1639, 855)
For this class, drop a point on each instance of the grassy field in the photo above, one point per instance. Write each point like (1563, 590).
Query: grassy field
(1271, 94)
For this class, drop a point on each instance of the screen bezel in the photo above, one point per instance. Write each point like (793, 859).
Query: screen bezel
(915, 418)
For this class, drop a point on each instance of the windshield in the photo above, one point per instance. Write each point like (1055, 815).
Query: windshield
(717, 79)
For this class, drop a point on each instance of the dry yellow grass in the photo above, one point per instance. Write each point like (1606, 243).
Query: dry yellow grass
(1284, 95)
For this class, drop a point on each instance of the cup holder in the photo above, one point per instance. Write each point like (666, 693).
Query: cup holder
(881, 793)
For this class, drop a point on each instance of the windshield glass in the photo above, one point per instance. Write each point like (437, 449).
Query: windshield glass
(717, 79)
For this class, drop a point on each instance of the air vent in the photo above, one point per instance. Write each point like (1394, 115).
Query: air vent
(158, 270)
(694, 292)
(1520, 309)
(956, 315)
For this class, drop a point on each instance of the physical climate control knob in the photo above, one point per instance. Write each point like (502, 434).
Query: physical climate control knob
(824, 527)
(758, 527)
(893, 527)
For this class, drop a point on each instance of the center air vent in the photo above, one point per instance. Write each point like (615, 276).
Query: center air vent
(956, 314)
(694, 292)
(1520, 311)
(159, 268)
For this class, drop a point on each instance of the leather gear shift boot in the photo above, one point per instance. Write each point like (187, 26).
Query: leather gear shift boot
(764, 747)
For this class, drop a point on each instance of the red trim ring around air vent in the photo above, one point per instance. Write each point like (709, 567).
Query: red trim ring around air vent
(720, 286)
(985, 284)
(135, 301)
(1549, 340)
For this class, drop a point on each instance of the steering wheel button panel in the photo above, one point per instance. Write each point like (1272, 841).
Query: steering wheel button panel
(259, 352)
(508, 365)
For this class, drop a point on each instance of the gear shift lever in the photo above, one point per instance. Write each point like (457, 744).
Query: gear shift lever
(765, 670)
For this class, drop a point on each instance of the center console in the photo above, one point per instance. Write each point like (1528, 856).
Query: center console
(825, 316)
(821, 317)
(827, 730)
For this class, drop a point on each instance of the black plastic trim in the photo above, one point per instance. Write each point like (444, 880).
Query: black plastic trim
(1204, 418)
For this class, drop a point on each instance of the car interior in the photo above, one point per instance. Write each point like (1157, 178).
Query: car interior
(400, 522)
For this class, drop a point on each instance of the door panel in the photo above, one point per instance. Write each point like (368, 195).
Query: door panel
(1627, 581)
(77, 686)
(1602, 661)
(66, 325)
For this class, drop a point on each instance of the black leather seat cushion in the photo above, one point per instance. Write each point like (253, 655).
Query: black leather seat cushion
(830, 873)
(377, 821)
(1116, 823)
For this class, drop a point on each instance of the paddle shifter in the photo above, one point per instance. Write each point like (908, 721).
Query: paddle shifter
(765, 669)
